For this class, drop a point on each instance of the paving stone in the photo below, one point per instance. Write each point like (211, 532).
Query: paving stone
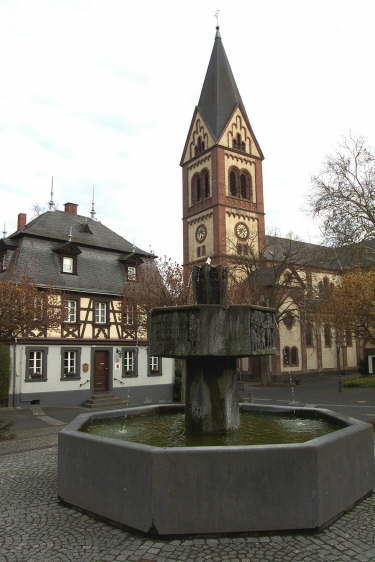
(40, 529)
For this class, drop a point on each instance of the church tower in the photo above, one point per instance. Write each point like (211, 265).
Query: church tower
(223, 209)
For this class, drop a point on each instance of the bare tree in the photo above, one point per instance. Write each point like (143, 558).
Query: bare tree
(343, 195)
(158, 283)
(25, 310)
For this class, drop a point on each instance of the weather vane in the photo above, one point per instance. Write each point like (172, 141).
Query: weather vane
(217, 17)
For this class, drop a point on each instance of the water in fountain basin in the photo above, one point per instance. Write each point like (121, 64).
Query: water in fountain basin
(168, 430)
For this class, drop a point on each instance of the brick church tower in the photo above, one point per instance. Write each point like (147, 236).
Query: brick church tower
(222, 171)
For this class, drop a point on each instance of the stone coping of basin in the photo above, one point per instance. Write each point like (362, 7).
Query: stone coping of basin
(214, 330)
(190, 490)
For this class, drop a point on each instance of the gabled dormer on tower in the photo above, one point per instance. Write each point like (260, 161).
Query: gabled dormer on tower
(222, 170)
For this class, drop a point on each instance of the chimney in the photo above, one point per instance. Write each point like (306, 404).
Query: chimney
(21, 220)
(71, 208)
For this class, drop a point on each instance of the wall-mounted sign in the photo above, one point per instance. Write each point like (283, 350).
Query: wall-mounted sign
(85, 367)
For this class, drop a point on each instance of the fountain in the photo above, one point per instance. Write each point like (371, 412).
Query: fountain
(173, 490)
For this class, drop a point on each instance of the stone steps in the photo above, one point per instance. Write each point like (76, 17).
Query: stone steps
(104, 400)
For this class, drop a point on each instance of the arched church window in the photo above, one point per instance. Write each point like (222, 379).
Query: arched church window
(309, 336)
(327, 335)
(294, 356)
(233, 183)
(238, 141)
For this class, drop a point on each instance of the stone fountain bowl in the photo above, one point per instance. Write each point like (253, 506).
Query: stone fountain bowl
(175, 491)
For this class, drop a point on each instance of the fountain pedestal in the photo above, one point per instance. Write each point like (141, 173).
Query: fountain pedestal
(211, 395)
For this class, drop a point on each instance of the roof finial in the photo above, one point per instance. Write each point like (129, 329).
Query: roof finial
(4, 231)
(51, 204)
(217, 23)
(70, 234)
(92, 212)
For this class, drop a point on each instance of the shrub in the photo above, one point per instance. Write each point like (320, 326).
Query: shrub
(364, 382)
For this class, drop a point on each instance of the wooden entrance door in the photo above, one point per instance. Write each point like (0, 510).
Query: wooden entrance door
(101, 371)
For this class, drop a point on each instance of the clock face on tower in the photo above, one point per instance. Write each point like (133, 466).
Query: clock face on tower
(201, 233)
(241, 231)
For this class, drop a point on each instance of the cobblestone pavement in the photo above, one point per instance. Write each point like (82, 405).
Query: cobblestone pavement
(35, 527)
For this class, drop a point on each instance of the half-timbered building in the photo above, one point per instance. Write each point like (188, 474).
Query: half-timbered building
(94, 350)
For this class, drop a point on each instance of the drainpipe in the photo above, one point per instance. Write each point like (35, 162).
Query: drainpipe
(14, 372)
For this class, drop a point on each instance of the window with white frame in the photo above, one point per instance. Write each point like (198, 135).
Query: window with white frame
(154, 365)
(71, 306)
(70, 363)
(128, 315)
(129, 362)
(36, 364)
(100, 313)
(67, 264)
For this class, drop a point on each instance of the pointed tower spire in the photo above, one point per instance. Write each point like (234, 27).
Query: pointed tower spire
(92, 212)
(219, 94)
(51, 203)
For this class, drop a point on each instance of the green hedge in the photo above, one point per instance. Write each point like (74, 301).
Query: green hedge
(4, 372)
(364, 382)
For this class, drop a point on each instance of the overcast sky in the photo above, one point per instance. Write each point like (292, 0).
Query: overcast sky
(102, 92)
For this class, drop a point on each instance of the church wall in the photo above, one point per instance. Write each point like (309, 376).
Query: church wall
(312, 359)
(237, 124)
(205, 218)
(232, 217)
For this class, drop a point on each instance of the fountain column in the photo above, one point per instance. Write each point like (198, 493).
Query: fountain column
(211, 382)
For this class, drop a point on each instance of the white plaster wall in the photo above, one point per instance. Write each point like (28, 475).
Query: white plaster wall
(55, 384)
(167, 376)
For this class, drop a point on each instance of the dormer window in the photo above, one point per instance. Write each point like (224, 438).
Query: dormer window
(131, 273)
(68, 257)
(67, 264)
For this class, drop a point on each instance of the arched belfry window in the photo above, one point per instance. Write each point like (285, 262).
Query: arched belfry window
(199, 191)
(195, 188)
(233, 183)
(245, 185)
(206, 182)
(199, 147)
(200, 186)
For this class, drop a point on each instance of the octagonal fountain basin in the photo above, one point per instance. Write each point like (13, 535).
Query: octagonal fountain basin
(215, 488)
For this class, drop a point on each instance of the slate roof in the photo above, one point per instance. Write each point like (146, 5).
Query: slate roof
(318, 256)
(56, 225)
(100, 263)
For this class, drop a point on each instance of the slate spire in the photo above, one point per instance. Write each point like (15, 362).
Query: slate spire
(219, 94)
